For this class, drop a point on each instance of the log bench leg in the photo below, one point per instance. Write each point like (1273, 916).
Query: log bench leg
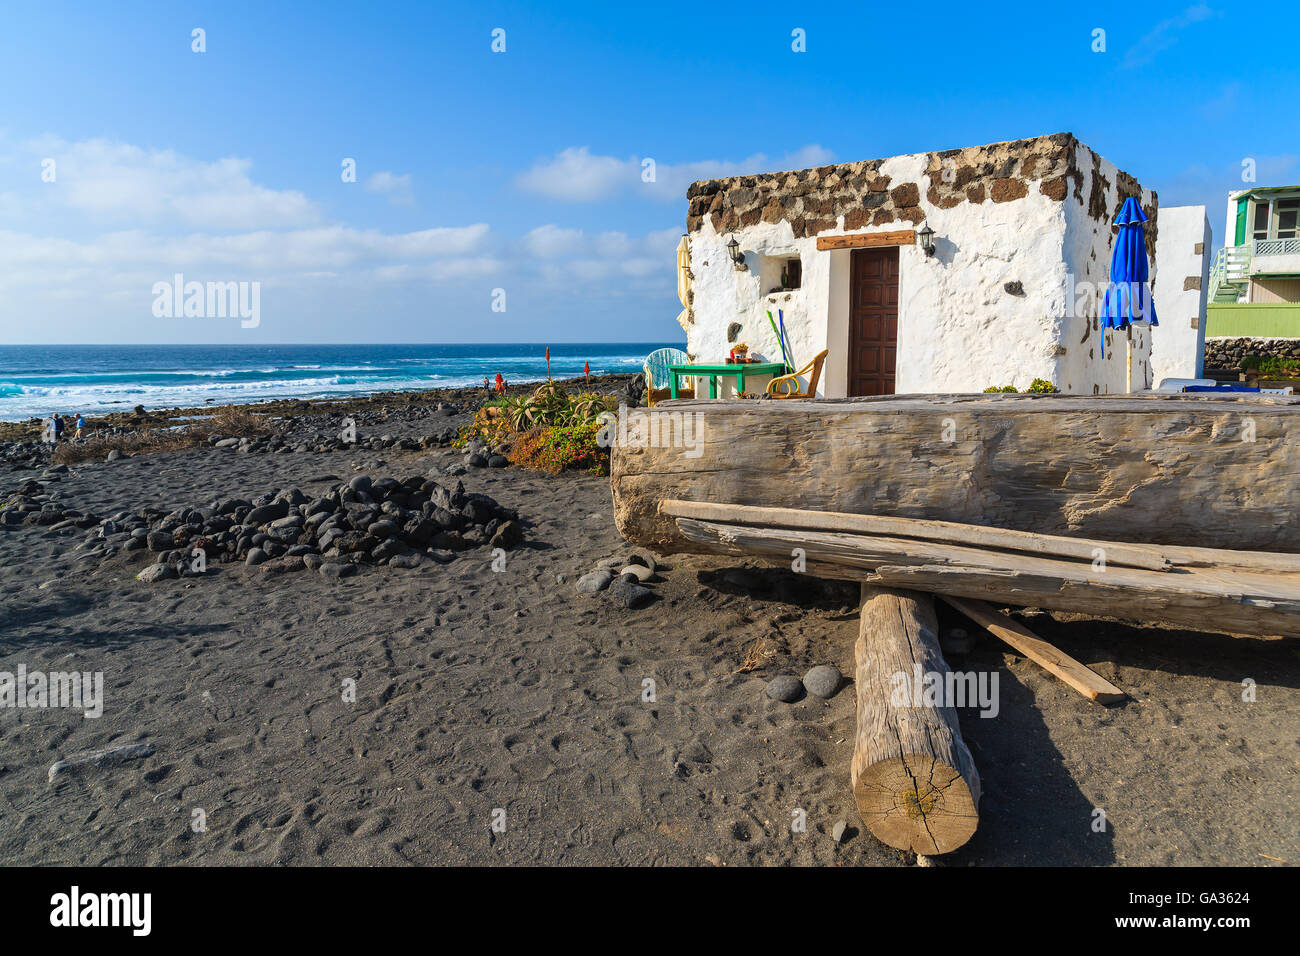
(913, 777)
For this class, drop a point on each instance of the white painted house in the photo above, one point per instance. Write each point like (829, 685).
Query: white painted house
(1005, 291)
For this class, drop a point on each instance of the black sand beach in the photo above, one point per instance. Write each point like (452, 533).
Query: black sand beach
(479, 690)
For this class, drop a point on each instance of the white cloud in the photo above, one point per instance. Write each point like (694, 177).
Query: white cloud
(575, 174)
(111, 181)
(119, 218)
(1164, 35)
(396, 188)
(550, 242)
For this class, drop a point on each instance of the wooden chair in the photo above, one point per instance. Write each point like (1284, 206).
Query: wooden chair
(787, 386)
(657, 375)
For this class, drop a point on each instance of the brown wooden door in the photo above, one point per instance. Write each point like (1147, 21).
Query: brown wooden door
(873, 321)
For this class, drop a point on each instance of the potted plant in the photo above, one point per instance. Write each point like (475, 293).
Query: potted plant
(740, 352)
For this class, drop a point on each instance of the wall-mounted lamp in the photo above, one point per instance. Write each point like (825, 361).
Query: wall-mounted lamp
(925, 239)
(737, 257)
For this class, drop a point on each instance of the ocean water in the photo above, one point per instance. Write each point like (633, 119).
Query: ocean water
(36, 380)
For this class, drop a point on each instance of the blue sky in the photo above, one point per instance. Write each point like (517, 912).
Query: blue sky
(521, 170)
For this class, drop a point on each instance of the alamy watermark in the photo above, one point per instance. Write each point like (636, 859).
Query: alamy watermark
(208, 300)
(75, 690)
(653, 428)
(946, 689)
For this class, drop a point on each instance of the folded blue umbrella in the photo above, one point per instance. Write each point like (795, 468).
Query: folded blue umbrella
(1128, 297)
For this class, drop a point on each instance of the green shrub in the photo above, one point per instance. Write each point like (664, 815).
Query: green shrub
(551, 430)
(558, 448)
(1039, 386)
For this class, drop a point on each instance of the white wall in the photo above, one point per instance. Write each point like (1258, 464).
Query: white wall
(1178, 342)
(1095, 361)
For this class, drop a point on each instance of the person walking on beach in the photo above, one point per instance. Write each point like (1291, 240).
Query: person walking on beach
(58, 426)
(81, 424)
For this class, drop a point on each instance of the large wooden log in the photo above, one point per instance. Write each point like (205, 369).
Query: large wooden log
(1227, 600)
(913, 777)
(1201, 471)
(951, 532)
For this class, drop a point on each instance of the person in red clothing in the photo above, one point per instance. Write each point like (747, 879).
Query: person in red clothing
(501, 383)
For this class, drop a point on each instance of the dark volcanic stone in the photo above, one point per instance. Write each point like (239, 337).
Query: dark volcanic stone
(629, 594)
(822, 681)
(785, 688)
(508, 536)
(160, 541)
(272, 512)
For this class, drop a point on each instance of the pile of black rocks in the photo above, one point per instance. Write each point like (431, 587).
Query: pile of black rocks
(319, 442)
(24, 455)
(33, 504)
(363, 521)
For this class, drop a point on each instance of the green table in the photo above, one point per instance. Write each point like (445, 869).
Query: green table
(738, 372)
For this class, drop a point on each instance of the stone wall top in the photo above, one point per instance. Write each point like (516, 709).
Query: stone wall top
(812, 200)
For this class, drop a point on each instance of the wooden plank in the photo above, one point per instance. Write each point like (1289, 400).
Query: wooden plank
(897, 237)
(1165, 470)
(1052, 659)
(1225, 600)
(1115, 552)
(1188, 608)
(914, 780)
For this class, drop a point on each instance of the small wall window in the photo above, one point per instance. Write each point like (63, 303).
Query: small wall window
(780, 273)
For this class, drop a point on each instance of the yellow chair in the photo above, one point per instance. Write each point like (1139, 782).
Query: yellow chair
(787, 386)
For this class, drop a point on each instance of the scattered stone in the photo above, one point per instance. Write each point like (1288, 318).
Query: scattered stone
(509, 535)
(638, 571)
(822, 681)
(595, 581)
(643, 558)
(498, 461)
(156, 572)
(99, 759)
(838, 831)
(409, 560)
(255, 557)
(160, 541)
(337, 570)
(787, 688)
(629, 594)
(266, 513)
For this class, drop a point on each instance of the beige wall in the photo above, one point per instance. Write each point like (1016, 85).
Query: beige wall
(1274, 290)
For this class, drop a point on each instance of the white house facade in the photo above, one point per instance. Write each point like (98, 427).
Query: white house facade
(948, 271)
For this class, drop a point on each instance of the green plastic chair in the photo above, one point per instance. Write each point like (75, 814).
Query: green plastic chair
(657, 377)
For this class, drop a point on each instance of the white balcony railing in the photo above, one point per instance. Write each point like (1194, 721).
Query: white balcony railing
(1277, 247)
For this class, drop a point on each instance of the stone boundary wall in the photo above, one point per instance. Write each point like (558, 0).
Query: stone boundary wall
(1224, 353)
